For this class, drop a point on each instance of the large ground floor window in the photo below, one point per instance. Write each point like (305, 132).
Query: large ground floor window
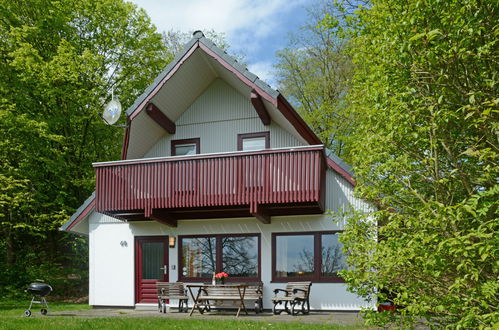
(202, 255)
(315, 256)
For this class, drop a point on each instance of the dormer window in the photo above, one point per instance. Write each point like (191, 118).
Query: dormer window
(253, 141)
(185, 147)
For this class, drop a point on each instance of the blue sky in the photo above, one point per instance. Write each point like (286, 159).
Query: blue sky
(255, 28)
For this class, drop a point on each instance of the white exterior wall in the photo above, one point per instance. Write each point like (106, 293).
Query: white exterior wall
(111, 273)
(217, 117)
(112, 267)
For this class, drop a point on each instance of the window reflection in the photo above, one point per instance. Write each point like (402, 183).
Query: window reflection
(240, 256)
(256, 143)
(198, 257)
(152, 260)
(294, 255)
(185, 149)
(333, 259)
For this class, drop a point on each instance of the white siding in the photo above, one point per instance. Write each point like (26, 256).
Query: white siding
(340, 196)
(112, 266)
(111, 273)
(217, 117)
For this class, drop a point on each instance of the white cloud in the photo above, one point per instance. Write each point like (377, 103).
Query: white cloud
(221, 15)
(240, 20)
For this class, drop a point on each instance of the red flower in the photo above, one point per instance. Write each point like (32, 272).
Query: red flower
(221, 275)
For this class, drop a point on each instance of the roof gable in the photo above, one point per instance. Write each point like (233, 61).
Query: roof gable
(191, 72)
(205, 60)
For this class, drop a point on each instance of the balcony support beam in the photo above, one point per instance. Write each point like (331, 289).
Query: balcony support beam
(160, 118)
(261, 215)
(262, 112)
(163, 217)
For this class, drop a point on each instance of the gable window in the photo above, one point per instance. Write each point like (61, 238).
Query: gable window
(237, 254)
(314, 256)
(185, 147)
(253, 141)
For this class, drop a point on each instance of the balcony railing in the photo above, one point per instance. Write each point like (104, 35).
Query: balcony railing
(252, 179)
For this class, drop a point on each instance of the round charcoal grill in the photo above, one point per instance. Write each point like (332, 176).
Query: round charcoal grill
(38, 291)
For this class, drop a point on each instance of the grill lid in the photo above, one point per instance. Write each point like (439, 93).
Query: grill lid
(39, 289)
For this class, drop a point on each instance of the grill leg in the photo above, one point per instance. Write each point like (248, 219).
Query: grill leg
(44, 310)
(27, 312)
(31, 303)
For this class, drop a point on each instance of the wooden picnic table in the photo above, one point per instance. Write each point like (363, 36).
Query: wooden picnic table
(208, 293)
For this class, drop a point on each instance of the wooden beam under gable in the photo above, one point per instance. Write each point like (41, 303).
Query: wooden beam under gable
(160, 118)
(262, 112)
(163, 217)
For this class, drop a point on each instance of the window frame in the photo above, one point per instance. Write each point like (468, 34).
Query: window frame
(241, 137)
(195, 141)
(316, 277)
(219, 258)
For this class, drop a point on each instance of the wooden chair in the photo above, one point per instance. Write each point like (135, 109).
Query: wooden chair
(172, 290)
(296, 295)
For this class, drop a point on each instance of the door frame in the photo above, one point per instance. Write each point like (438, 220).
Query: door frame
(138, 259)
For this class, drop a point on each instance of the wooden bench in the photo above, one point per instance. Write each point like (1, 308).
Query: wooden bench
(296, 295)
(172, 290)
(210, 295)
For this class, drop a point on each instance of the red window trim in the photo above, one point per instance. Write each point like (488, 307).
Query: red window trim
(317, 260)
(241, 137)
(195, 141)
(219, 261)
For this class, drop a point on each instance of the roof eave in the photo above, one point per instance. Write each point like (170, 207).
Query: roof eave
(81, 213)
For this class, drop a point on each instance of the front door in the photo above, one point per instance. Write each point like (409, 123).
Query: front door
(151, 266)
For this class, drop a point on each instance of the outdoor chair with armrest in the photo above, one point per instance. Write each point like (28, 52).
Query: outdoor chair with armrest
(295, 298)
(172, 290)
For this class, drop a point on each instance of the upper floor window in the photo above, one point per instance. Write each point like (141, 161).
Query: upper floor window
(253, 141)
(185, 147)
(315, 256)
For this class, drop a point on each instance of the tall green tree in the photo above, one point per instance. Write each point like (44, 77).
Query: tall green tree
(425, 150)
(314, 72)
(60, 61)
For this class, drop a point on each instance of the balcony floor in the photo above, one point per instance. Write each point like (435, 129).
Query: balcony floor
(242, 211)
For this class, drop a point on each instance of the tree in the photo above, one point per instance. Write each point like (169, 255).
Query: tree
(60, 60)
(314, 72)
(425, 150)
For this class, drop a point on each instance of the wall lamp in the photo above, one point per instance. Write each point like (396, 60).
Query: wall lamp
(171, 241)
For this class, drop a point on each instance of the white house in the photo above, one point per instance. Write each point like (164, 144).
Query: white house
(219, 173)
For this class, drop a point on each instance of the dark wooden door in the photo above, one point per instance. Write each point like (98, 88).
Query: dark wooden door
(151, 266)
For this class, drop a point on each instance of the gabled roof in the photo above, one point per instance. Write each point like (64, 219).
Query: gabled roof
(270, 95)
(201, 57)
(198, 40)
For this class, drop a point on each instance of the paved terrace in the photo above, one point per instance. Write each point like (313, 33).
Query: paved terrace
(325, 318)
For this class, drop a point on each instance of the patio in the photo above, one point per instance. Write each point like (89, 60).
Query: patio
(323, 318)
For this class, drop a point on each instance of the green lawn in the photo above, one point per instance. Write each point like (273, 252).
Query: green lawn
(11, 317)
(15, 308)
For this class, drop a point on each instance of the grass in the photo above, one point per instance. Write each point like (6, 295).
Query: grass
(15, 308)
(11, 317)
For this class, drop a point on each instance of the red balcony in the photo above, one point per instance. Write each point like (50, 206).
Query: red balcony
(237, 184)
